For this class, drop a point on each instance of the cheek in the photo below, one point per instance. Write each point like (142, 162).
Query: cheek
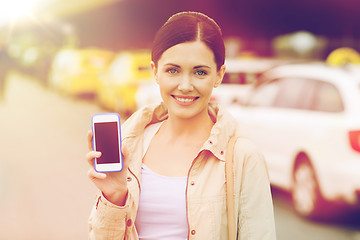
(206, 87)
(165, 84)
(168, 82)
(209, 92)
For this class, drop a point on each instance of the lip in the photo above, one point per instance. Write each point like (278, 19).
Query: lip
(184, 100)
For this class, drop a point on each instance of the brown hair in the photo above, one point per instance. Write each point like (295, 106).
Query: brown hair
(187, 27)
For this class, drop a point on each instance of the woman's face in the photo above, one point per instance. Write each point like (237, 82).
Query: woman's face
(187, 74)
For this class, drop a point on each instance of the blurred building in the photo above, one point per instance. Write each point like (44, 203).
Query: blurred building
(124, 24)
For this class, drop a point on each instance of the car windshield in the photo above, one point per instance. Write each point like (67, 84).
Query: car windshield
(298, 93)
(328, 98)
(264, 95)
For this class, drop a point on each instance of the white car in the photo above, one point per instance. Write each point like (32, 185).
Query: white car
(305, 118)
(239, 77)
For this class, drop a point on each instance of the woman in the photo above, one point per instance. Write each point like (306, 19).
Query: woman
(173, 182)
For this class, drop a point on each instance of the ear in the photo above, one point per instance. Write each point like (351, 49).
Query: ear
(154, 69)
(220, 75)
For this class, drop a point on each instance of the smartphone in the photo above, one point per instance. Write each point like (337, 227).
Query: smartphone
(107, 140)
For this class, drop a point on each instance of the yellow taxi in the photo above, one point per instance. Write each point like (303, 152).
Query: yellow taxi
(118, 85)
(75, 71)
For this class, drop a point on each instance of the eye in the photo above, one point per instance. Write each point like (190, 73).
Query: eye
(171, 70)
(201, 73)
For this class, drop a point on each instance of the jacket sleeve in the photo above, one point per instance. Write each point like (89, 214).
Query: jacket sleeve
(109, 221)
(256, 214)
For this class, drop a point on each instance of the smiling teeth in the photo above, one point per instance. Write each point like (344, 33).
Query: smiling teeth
(185, 99)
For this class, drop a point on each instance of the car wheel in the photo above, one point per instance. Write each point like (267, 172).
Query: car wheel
(305, 192)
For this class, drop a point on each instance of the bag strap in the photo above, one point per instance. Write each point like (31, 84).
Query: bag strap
(229, 175)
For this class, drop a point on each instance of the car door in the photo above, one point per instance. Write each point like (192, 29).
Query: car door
(273, 119)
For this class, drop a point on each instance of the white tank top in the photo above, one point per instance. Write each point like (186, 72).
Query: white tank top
(162, 204)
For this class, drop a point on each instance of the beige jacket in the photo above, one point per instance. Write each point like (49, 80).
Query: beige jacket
(206, 189)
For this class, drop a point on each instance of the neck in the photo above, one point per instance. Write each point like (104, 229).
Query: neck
(195, 129)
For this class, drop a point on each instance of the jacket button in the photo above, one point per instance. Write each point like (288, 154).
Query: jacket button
(211, 142)
(222, 152)
(129, 223)
(192, 183)
(193, 232)
(129, 179)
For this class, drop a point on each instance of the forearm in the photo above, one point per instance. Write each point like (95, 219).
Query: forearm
(118, 198)
(109, 221)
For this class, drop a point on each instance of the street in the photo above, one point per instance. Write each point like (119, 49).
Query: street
(44, 190)
(45, 193)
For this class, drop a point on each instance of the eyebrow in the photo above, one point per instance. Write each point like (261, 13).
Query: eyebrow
(201, 66)
(172, 64)
(196, 67)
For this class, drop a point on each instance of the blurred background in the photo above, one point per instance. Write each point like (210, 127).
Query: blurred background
(292, 81)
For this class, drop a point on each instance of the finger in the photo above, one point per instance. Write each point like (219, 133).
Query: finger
(89, 137)
(124, 151)
(91, 155)
(93, 175)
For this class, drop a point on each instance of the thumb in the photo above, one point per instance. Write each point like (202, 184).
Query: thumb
(125, 153)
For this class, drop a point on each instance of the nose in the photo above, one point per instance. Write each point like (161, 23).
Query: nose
(185, 84)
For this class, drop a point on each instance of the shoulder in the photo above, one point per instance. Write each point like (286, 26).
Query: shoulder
(248, 154)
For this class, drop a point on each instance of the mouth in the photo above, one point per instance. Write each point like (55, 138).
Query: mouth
(185, 100)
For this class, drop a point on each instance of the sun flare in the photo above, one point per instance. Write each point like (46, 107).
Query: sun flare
(14, 10)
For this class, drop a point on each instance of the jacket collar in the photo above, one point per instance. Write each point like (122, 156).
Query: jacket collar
(223, 129)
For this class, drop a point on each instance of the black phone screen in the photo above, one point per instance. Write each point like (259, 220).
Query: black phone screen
(107, 142)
